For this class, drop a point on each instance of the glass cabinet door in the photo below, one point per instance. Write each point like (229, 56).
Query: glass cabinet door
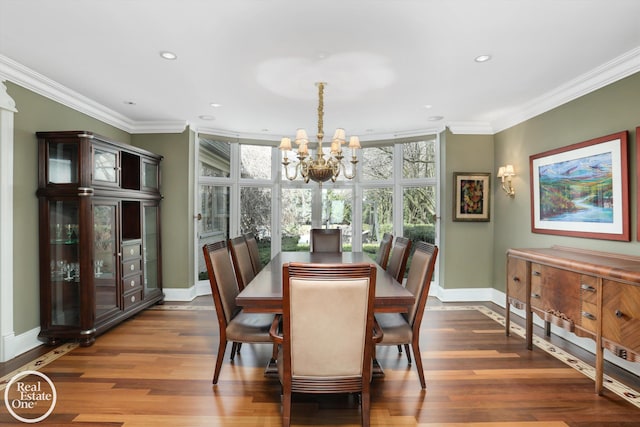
(64, 263)
(105, 166)
(150, 247)
(62, 162)
(105, 257)
(150, 176)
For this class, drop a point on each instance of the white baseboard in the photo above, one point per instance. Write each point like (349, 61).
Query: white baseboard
(187, 294)
(15, 345)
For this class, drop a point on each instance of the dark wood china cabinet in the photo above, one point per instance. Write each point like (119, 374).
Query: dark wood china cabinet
(99, 209)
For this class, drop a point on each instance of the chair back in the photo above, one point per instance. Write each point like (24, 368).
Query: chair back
(254, 252)
(383, 251)
(327, 325)
(241, 259)
(326, 240)
(222, 280)
(398, 259)
(419, 280)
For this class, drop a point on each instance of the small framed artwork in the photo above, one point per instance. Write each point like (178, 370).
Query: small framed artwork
(582, 190)
(471, 196)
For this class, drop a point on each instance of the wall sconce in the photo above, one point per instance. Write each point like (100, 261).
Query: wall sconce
(507, 172)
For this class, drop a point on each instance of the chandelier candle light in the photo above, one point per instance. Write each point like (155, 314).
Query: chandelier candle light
(319, 169)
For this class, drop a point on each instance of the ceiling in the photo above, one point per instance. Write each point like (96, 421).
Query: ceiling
(393, 67)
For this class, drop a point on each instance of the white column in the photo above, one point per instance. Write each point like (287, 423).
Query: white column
(7, 111)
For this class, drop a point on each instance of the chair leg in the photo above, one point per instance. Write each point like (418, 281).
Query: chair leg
(399, 348)
(416, 354)
(406, 349)
(221, 349)
(286, 408)
(365, 408)
(274, 353)
(234, 350)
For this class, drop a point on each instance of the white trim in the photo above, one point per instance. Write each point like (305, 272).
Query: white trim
(471, 128)
(614, 70)
(202, 287)
(7, 111)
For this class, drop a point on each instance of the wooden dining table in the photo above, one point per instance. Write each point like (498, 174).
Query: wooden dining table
(264, 293)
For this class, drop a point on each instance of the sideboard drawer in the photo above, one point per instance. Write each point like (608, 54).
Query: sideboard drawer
(516, 279)
(621, 314)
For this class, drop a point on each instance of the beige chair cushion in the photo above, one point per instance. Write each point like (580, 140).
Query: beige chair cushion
(395, 327)
(226, 279)
(250, 327)
(243, 260)
(334, 346)
(415, 280)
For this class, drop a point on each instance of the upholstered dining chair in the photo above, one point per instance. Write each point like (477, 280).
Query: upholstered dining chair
(326, 331)
(382, 257)
(398, 260)
(404, 328)
(241, 258)
(326, 240)
(235, 325)
(254, 252)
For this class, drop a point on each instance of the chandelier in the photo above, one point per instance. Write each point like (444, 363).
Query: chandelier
(320, 169)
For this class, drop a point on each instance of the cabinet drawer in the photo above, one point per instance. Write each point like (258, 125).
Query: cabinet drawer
(589, 318)
(132, 299)
(516, 279)
(621, 314)
(131, 251)
(589, 289)
(131, 282)
(131, 267)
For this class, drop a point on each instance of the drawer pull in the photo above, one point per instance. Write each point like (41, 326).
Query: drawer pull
(133, 267)
(131, 251)
(619, 314)
(133, 298)
(133, 283)
(535, 273)
(587, 288)
(588, 315)
(535, 295)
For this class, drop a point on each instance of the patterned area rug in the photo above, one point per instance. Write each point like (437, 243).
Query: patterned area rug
(611, 384)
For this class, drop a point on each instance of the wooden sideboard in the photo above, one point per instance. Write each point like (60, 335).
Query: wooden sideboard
(592, 294)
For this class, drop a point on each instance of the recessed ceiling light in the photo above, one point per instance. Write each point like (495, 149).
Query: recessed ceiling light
(205, 117)
(168, 55)
(215, 104)
(435, 118)
(427, 106)
(482, 58)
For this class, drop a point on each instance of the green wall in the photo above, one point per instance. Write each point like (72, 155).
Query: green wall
(608, 110)
(467, 247)
(36, 113)
(176, 209)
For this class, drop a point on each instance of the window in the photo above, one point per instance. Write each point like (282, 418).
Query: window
(244, 189)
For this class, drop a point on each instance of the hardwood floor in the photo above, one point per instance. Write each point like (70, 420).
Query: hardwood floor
(156, 369)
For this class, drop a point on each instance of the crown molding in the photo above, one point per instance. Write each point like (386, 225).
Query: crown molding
(610, 72)
(29, 79)
(471, 128)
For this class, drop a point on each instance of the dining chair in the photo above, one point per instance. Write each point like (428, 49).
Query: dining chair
(254, 252)
(398, 259)
(326, 240)
(326, 331)
(404, 328)
(384, 249)
(235, 325)
(241, 258)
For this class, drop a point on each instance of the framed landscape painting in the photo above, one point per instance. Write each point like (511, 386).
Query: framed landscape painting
(582, 190)
(471, 196)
